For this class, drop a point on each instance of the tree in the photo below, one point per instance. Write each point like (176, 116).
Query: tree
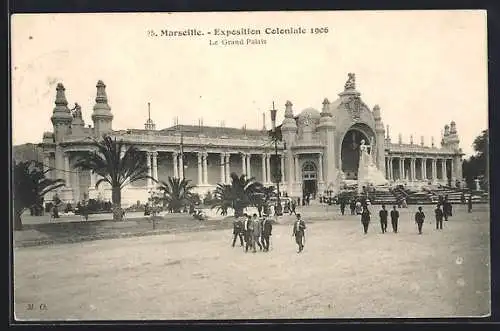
(223, 198)
(477, 165)
(30, 186)
(114, 168)
(240, 194)
(177, 193)
(263, 196)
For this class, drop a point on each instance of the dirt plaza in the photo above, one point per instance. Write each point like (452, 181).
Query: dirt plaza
(198, 275)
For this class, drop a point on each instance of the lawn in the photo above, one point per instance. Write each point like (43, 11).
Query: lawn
(198, 275)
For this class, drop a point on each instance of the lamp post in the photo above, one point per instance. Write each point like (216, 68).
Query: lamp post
(277, 209)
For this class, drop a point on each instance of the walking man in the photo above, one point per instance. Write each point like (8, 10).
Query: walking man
(394, 219)
(365, 219)
(267, 228)
(469, 204)
(257, 230)
(293, 206)
(237, 230)
(439, 217)
(419, 219)
(299, 228)
(342, 205)
(352, 205)
(383, 219)
(248, 233)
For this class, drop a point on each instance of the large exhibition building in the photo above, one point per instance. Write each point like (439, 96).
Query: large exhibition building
(319, 150)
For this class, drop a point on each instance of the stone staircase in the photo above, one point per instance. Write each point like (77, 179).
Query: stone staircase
(382, 196)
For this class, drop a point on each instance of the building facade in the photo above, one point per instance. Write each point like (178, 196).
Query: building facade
(319, 150)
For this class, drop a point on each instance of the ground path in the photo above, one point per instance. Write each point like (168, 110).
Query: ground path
(197, 275)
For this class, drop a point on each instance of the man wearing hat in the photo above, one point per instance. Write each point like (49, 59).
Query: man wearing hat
(267, 228)
(299, 228)
(257, 231)
(248, 228)
(237, 230)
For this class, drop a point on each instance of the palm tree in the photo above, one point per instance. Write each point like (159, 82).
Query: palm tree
(114, 168)
(177, 193)
(263, 196)
(30, 186)
(240, 194)
(222, 198)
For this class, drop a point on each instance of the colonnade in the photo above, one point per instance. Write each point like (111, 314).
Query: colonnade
(396, 168)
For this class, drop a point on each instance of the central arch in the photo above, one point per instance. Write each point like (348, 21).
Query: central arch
(309, 179)
(349, 155)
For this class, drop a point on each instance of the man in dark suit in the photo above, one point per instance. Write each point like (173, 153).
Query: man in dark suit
(299, 228)
(248, 228)
(293, 206)
(267, 228)
(439, 217)
(237, 230)
(394, 219)
(383, 219)
(342, 205)
(257, 232)
(447, 208)
(419, 219)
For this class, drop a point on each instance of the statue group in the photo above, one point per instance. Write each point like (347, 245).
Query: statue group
(368, 174)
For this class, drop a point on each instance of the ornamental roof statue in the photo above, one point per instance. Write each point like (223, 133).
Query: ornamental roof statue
(351, 82)
(77, 111)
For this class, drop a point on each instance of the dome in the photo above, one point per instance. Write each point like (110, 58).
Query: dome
(309, 116)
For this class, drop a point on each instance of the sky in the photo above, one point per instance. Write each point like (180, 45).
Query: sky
(423, 68)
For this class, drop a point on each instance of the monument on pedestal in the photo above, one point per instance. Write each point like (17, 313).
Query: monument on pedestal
(478, 186)
(368, 174)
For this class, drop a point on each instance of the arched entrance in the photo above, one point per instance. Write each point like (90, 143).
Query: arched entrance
(350, 149)
(309, 179)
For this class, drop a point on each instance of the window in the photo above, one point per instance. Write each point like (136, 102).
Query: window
(309, 171)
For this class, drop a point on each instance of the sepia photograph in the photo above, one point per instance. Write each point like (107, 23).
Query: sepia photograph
(250, 165)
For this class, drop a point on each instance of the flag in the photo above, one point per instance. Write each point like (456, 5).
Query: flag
(275, 135)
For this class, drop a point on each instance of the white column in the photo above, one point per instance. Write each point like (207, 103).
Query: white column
(92, 180)
(434, 170)
(46, 166)
(200, 170)
(268, 168)
(181, 166)
(282, 164)
(443, 169)
(413, 169)
(453, 177)
(297, 168)
(247, 166)
(155, 165)
(422, 168)
(401, 168)
(228, 168)
(222, 170)
(264, 169)
(291, 172)
(205, 168)
(320, 167)
(176, 166)
(391, 174)
(66, 170)
(148, 163)
(243, 164)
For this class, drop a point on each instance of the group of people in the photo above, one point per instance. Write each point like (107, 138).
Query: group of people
(253, 231)
(442, 211)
